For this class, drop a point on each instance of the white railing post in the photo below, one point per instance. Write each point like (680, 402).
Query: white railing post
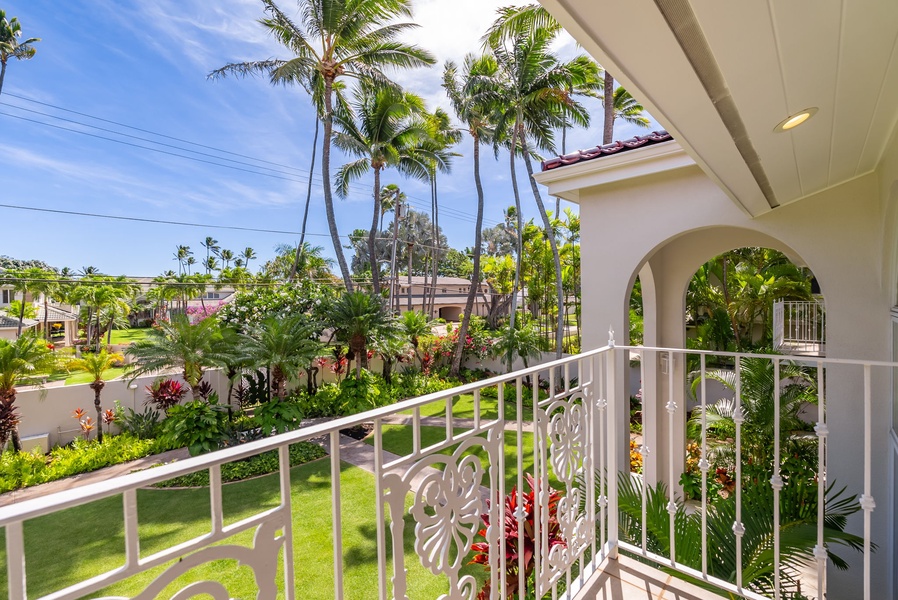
(611, 432)
(866, 501)
(822, 432)
(704, 465)
(671, 451)
(286, 507)
(776, 481)
(738, 419)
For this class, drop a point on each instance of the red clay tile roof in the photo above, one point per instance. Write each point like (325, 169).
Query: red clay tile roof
(639, 141)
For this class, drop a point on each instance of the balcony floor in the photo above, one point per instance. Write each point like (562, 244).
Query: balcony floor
(627, 579)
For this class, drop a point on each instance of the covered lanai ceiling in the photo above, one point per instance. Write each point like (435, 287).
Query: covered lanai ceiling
(721, 74)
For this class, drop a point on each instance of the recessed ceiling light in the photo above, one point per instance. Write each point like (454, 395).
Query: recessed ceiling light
(795, 120)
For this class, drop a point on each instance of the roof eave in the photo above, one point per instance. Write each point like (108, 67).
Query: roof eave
(566, 182)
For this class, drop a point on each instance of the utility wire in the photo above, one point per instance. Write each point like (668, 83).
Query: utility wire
(205, 226)
(448, 211)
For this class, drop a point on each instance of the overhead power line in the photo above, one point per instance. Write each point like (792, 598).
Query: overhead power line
(274, 173)
(205, 226)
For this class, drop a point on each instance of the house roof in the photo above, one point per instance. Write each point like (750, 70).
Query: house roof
(7, 322)
(639, 141)
(440, 280)
(56, 314)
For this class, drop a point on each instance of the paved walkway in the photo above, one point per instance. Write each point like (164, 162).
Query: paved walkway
(352, 451)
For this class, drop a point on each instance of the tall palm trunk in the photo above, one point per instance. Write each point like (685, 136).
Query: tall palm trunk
(326, 176)
(436, 240)
(553, 244)
(372, 245)
(475, 276)
(608, 127)
(21, 315)
(519, 245)
(46, 318)
(2, 75)
(305, 215)
(97, 386)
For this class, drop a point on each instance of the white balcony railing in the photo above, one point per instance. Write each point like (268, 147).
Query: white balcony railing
(799, 327)
(443, 488)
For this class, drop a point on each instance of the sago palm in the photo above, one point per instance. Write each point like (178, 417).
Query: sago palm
(178, 344)
(26, 357)
(356, 317)
(96, 364)
(283, 347)
(414, 325)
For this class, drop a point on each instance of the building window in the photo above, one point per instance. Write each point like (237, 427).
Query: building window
(5, 296)
(213, 296)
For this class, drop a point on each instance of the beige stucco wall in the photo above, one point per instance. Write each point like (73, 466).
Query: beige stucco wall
(667, 224)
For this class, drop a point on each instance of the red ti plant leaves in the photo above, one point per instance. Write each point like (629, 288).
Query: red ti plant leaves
(512, 544)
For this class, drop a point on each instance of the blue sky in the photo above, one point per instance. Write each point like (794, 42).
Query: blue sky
(144, 64)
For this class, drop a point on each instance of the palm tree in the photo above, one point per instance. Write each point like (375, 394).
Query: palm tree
(415, 325)
(282, 347)
(46, 285)
(212, 248)
(248, 254)
(190, 348)
(10, 46)
(626, 108)
(390, 197)
(26, 356)
(474, 109)
(356, 317)
(96, 364)
(522, 341)
(533, 92)
(441, 136)
(384, 130)
(226, 257)
(334, 39)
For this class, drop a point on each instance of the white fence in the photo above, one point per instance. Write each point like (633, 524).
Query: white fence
(799, 327)
(443, 487)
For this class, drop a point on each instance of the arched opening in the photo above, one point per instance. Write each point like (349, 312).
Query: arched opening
(451, 313)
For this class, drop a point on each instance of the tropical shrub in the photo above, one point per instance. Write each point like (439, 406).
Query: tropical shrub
(165, 393)
(797, 534)
(199, 425)
(143, 426)
(277, 416)
(254, 466)
(326, 402)
(360, 393)
(252, 307)
(512, 544)
(24, 469)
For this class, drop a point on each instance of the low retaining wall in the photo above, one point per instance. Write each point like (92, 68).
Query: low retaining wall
(48, 411)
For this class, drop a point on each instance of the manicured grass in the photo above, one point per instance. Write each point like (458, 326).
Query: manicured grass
(76, 378)
(126, 336)
(398, 440)
(463, 407)
(82, 542)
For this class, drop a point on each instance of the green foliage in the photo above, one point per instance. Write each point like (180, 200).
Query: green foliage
(325, 403)
(277, 416)
(199, 425)
(359, 394)
(14, 309)
(798, 531)
(23, 469)
(261, 464)
(252, 307)
(143, 426)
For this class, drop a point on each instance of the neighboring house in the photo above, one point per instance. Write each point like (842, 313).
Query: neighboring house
(62, 323)
(450, 296)
(9, 326)
(724, 82)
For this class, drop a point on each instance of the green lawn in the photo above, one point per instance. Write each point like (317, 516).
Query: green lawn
(398, 440)
(82, 542)
(463, 407)
(127, 336)
(76, 378)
